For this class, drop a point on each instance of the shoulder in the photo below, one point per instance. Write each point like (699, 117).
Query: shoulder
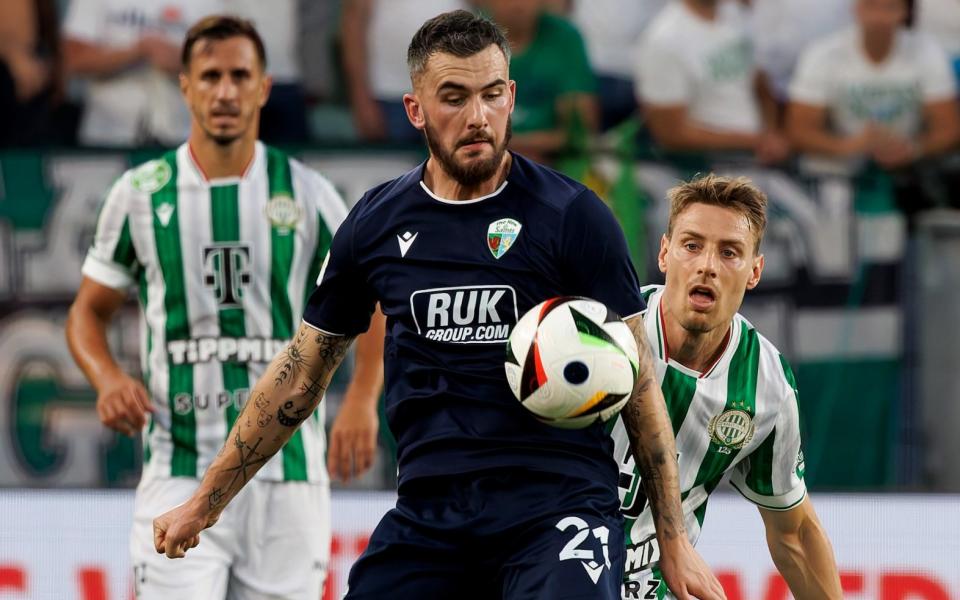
(774, 370)
(153, 175)
(548, 188)
(921, 46)
(558, 28)
(837, 45)
(312, 180)
(378, 199)
(663, 27)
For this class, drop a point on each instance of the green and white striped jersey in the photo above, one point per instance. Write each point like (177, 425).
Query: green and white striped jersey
(224, 268)
(741, 417)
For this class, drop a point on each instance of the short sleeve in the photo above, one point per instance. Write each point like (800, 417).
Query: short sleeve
(937, 79)
(772, 476)
(343, 302)
(83, 20)
(596, 258)
(810, 82)
(112, 259)
(661, 78)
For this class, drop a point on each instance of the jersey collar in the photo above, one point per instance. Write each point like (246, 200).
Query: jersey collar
(195, 172)
(657, 337)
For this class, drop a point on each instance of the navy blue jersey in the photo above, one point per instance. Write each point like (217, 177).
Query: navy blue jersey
(453, 278)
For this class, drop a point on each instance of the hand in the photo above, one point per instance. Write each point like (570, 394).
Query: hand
(160, 53)
(772, 148)
(30, 74)
(894, 152)
(178, 530)
(369, 120)
(687, 575)
(353, 438)
(122, 404)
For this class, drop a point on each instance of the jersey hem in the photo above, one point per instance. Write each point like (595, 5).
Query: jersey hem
(782, 502)
(104, 273)
(322, 330)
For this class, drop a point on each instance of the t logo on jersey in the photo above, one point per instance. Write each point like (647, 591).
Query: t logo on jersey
(226, 271)
(482, 314)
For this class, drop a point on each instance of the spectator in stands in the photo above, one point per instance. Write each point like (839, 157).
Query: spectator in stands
(876, 90)
(611, 30)
(130, 52)
(30, 74)
(374, 35)
(555, 86)
(941, 19)
(284, 118)
(699, 84)
(783, 28)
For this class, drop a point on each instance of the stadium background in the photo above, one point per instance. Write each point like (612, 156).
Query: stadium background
(866, 313)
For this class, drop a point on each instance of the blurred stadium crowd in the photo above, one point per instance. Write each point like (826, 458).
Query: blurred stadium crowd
(757, 76)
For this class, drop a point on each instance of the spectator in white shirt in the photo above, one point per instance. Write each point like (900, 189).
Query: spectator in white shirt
(130, 51)
(699, 85)
(611, 29)
(876, 91)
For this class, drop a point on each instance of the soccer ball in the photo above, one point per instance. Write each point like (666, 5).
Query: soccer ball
(571, 361)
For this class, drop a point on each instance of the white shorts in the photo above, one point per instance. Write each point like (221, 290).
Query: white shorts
(271, 542)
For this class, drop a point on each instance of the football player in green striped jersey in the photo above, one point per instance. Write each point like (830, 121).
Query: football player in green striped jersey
(224, 239)
(731, 396)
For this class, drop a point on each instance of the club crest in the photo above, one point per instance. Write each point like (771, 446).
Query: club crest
(731, 428)
(283, 213)
(501, 236)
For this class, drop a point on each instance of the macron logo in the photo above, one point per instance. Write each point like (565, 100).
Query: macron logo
(406, 240)
(164, 212)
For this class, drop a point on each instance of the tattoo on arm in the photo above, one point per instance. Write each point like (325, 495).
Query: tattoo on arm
(295, 360)
(651, 438)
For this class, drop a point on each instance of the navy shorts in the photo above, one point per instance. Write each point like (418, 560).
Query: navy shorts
(515, 535)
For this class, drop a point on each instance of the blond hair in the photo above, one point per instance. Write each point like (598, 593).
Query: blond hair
(737, 193)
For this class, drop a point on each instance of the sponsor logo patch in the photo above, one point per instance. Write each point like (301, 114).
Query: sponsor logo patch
(465, 315)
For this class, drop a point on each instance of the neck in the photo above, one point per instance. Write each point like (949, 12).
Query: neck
(694, 350)
(705, 9)
(443, 185)
(218, 161)
(878, 44)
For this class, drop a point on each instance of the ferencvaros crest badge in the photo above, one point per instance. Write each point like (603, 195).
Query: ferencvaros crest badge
(151, 176)
(731, 428)
(283, 213)
(501, 236)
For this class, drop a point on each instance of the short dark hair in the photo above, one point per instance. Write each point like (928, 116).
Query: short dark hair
(736, 193)
(460, 33)
(218, 28)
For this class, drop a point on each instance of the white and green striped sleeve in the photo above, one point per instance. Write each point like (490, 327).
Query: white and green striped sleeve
(772, 475)
(112, 259)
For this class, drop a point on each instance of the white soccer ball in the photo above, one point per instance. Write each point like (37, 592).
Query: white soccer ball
(571, 361)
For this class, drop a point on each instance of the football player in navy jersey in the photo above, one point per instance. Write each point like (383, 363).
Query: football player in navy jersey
(491, 502)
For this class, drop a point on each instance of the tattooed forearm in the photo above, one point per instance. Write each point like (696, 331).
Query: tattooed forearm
(294, 359)
(651, 439)
(299, 375)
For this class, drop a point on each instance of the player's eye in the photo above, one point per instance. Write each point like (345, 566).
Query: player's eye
(728, 253)
(691, 246)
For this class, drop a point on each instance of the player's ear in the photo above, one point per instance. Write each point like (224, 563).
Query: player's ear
(513, 94)
(184, 82)
(414, 111)
(755, 272)
(662, 255)
(266, 84)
